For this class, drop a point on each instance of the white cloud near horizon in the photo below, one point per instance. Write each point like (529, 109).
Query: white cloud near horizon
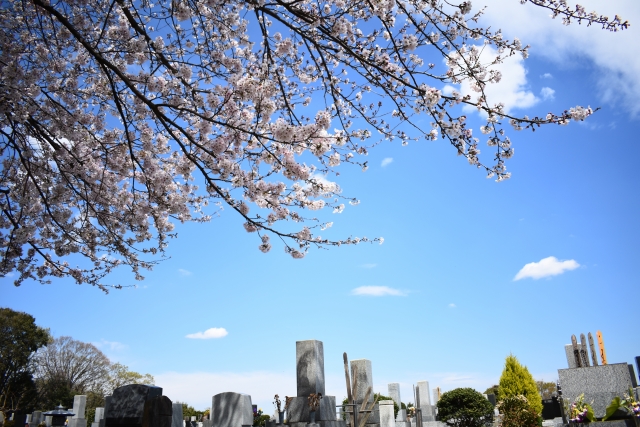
(616, 69)
(546, 267)
(210, 333)
(184, 272)
(377, 291)
(386, 161)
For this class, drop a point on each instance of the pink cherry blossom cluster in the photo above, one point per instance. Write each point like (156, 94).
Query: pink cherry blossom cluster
(119, 118)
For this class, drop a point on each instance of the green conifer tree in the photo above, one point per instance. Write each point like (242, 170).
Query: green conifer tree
(516, 380)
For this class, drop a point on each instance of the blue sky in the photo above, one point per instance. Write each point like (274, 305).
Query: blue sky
(438, 300)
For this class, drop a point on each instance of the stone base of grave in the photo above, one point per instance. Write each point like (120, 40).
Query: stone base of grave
(617, 423)
(298, 410)
(403, 424)
(334, 423)
(78, 422)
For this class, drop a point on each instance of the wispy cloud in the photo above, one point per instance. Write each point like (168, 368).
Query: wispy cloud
(546, 267)
(546, 76)
(209, 334)
(452, 305)
(386, 161)
(369, 265)
(377, 291)
(184, 272)
(110, 345)
(547, 93)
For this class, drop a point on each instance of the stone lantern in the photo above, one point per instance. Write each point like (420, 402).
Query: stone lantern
(58, 416)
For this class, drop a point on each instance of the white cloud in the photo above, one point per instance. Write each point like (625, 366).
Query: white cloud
(512, 90)
(110, 345)
(616, 69)
(209, 334)
(546, 267)
(386, 162)
(547, 93)
(377, 291)
(184, 272)
(369, 265)
(452, 305)
(546, 76)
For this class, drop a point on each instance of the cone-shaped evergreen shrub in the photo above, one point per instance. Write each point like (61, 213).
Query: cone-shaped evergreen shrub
(516, 380)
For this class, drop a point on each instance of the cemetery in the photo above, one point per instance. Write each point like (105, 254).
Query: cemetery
(589, 380)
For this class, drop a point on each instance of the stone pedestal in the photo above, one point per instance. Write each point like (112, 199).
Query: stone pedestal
(298, 410)
(600, 384)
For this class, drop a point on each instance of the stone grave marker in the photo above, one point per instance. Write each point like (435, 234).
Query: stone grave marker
(600, 384)
(387, 418)
(79, 405)
(571, 359)
(425, 401)
(231, 409)
(310, 379)
(138, 405)
(176, 416)
(98, 417)
(634, 383)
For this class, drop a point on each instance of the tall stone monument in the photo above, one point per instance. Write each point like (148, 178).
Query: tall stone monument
(79, 405)
(425, 402)
(310, 379)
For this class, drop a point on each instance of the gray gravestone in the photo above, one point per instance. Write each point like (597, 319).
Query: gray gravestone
(394, 393)
(177, 415)
(425, 401)
(309, 367)
(231, 409)
(79, 405)
(126, 408)
(361, 368)
(99, 415)
(387, 418)
(310, 379)
(600, 384)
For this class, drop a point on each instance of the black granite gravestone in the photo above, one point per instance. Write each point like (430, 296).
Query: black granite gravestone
(551, 409)
(130, 404)
(638, 365)
(634, 382)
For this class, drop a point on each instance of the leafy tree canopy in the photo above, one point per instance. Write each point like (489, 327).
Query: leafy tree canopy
(20, 337)
(465, 407)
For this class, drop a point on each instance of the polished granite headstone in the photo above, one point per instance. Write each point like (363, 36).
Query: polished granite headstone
(177, 415)
(158, 412)
(231, 409)
(126, 407)
(600, 384)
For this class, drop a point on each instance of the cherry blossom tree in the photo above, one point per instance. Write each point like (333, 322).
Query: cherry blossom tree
(120, 118)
